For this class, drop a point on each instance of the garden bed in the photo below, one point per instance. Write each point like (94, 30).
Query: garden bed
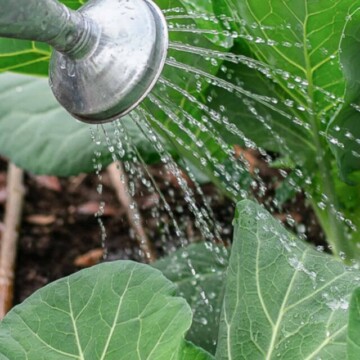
(60, 233)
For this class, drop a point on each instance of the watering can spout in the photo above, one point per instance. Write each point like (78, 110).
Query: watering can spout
(107, 55)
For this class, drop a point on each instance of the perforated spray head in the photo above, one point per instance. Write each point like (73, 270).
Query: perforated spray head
(108, 54)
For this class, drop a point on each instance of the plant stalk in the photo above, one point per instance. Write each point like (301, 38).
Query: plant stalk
(119, 181)
(15, 190)
(335, 229)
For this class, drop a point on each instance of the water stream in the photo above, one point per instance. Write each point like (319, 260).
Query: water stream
(185, 111)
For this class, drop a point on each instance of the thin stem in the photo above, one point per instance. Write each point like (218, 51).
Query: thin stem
(9, 240)
(119, 182)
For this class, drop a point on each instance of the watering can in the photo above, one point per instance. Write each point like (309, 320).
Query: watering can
(107, 55)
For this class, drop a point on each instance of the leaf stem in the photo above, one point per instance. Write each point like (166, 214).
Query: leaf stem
(334, 228)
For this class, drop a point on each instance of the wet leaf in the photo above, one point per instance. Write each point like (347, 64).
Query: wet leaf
(290, 85)
(31, 57)
(202, 12)
(199, 272)
(176, 102)
(345, 126)
(292, 52)
(353, 337)
(37, 134)
(283, 299)
(253, 119)
(118, 310)
(298, 43)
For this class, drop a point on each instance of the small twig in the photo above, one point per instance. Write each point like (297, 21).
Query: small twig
(119, 181)
(13, 210)
(76, 181)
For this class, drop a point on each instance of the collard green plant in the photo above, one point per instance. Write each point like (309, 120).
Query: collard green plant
(283, 300)
(301, 43)
(298, 94)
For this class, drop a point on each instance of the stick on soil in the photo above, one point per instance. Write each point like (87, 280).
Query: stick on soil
(8, 249)
(119, 182)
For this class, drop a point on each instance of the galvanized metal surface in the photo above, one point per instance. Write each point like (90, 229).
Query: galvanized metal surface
(108, 55)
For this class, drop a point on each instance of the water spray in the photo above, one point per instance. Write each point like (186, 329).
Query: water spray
(107, 55)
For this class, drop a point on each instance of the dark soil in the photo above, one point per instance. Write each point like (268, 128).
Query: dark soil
(60, 234)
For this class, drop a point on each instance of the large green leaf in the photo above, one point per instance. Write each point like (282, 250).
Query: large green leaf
(203, 13)
(283, 299)
(199, 273)
(41, 137)
(251, 108)
(295, 96)
(119, 310)
(297, 44)
(353, 339)
(298, 39)
(345, 126)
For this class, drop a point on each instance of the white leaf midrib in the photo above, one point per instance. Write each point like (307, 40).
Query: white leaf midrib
(117, 313)
(73, 321)
(276, 326)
